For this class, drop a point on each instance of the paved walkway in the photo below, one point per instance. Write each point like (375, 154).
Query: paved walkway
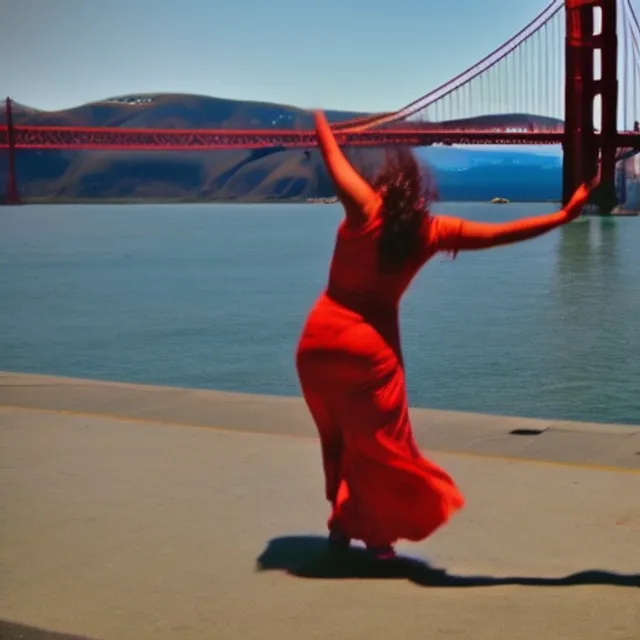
(123, 518)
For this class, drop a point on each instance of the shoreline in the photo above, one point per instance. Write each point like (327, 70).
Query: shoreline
(286, 396)
(550, 440)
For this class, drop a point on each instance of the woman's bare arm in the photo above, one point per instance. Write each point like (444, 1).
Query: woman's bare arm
(455, 234)
(356, 194)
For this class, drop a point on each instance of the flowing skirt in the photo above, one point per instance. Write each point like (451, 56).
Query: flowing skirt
(381, 487)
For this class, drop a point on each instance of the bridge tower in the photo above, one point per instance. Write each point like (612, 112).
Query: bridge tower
(12, 186)
(583, 149)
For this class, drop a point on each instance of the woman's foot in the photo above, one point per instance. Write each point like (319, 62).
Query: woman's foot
(382, 552)
(338, 541)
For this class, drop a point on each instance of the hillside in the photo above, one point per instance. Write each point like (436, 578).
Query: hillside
(461, 174)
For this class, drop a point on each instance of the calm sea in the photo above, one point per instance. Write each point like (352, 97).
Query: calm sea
(214, 296)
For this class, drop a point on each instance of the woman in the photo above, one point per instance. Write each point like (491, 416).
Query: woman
(349, 357)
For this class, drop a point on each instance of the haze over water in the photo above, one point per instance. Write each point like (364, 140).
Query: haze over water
(214, 296)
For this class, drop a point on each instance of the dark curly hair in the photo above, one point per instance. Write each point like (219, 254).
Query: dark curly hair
(407, 193)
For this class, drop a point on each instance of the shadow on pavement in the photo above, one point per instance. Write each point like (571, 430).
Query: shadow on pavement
(15, 631)
(308, 557)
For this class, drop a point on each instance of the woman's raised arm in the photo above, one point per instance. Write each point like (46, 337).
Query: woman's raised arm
(356, 194)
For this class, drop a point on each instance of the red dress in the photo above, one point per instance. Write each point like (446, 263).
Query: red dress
(351, 369)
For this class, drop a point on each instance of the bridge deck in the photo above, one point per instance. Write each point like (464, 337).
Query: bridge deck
(139, 512)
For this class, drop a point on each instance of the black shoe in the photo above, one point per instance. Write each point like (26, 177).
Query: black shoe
(338, 541)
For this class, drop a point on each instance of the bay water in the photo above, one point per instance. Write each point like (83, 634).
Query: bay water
(214, 296)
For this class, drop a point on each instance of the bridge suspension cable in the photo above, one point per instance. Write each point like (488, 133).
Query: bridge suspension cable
(631, 66)
(548, 34)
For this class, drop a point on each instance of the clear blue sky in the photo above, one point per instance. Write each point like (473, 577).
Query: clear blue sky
(345, 54)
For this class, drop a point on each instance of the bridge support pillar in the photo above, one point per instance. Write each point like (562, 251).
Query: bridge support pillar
(621, 182)
(12, 196)
(583, 148)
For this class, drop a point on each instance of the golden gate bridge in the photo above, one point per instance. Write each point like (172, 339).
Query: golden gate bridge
(590, 47)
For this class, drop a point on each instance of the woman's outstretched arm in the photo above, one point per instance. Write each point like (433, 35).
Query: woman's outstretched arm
(356, 194)
(455, 234)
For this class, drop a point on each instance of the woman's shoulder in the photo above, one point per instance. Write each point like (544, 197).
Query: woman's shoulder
(436, 227)
(369, 226)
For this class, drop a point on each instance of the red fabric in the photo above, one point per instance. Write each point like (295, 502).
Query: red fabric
(352, 376)
(351, 370)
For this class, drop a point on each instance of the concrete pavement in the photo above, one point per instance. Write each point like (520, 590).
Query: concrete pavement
(123, 518)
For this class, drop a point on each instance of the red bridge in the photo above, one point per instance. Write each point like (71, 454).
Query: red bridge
(548, 69)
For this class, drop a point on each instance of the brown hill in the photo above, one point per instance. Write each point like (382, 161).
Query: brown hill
(273, 174)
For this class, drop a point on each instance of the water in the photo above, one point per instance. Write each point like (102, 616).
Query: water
(215, 296)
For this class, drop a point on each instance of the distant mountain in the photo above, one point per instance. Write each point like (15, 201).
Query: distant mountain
(175, 111)
(261, 175)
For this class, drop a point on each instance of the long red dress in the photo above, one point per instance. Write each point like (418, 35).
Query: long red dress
(351, 370)
(350, 365)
